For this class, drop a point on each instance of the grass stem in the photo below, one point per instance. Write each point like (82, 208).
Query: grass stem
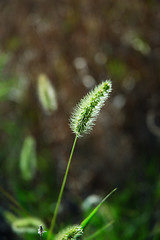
(61, 191)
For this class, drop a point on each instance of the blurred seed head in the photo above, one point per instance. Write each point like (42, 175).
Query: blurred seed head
(47, 94)
(28, 159)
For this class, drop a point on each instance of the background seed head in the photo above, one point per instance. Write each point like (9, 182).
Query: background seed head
(47, 94)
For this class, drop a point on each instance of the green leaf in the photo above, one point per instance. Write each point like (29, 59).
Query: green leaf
(88, 219)
(6, 88)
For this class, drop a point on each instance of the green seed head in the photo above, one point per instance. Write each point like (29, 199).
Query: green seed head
(86, 112)
(70, 233)
(47, 94)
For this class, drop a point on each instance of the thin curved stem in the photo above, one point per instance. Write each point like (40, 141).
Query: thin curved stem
(61, 190)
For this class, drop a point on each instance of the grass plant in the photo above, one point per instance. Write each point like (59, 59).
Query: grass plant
(81, 122)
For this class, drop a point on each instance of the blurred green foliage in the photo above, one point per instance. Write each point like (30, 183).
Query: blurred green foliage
(6, 85)
(117, 69)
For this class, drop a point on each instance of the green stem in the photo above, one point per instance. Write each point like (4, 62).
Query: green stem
(61, 190)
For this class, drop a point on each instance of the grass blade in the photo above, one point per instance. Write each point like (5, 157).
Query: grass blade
(88, 219)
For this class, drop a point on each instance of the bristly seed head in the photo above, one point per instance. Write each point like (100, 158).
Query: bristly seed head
(70, 233)
(85, 113)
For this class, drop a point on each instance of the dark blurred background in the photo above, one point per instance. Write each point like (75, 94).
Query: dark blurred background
(76, 45)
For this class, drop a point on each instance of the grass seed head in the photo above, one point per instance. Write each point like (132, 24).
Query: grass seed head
(85, 113)
(70, 233)
(47, 94)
